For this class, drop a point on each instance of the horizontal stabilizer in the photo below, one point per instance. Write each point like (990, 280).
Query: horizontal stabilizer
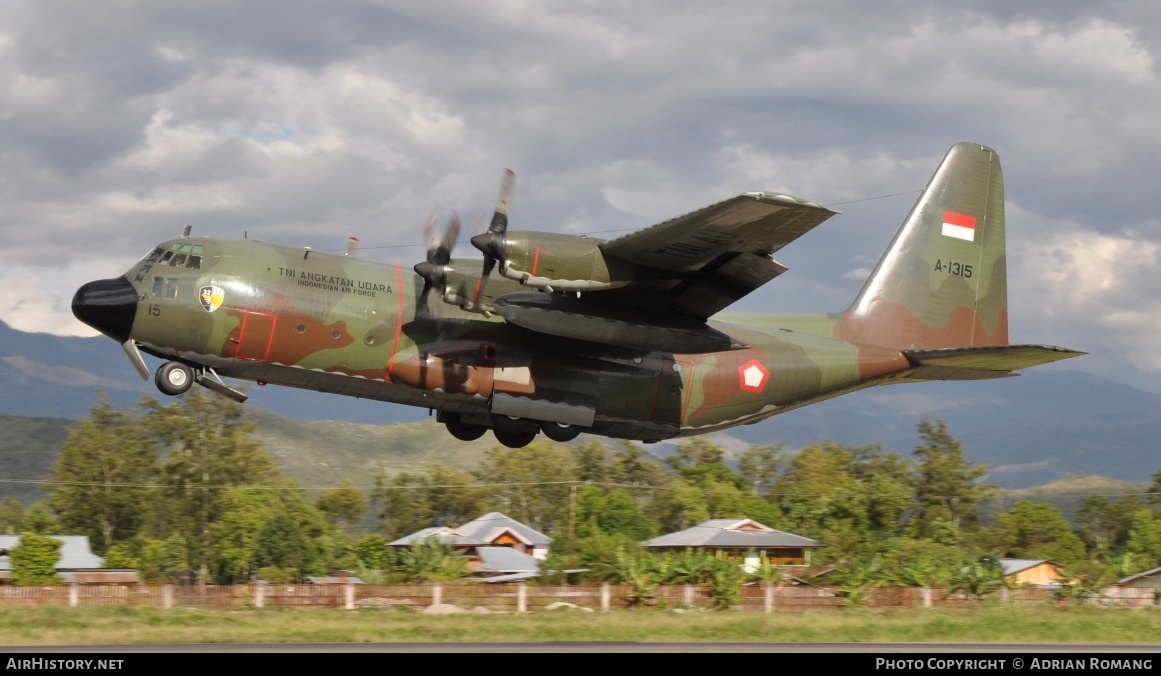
(978, 363)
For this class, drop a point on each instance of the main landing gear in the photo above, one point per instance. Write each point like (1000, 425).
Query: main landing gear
(509, 431)
(461, 430)
(559, 432)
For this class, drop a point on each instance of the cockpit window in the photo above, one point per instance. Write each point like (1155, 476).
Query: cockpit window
(154, 255)
(179, 260)
(141, 275)
(194, 262)
(165, 287)
(166, 257)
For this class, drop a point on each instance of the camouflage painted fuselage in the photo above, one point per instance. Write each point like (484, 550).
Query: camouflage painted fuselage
(336, 324)
(934, 308)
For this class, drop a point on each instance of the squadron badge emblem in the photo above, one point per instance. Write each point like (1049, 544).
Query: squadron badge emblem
(211, 297)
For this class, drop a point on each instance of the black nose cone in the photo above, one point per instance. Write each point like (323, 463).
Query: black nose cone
(107, 305)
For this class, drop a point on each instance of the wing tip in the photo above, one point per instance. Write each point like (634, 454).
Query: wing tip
(786, 199)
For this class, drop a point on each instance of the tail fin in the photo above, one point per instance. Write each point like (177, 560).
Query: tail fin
(943, 281)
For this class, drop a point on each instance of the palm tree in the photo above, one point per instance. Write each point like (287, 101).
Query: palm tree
(979, 577)
(430, 560)
(638, 570)
(856, 582)
(726, 578)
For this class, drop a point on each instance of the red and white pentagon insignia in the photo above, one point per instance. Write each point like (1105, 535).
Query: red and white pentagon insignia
(752, 376)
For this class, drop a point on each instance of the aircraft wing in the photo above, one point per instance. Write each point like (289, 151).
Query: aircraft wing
(754, 222)
(707, 259)
(684, 270)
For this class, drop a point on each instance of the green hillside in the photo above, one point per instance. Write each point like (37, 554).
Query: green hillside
(1069, 492)
(322, 453)
(314, 454)
(28, 448)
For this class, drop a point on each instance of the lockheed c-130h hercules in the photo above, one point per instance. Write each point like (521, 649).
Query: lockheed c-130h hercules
(576, 334)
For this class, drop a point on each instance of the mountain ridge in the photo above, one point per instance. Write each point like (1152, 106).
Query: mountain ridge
(1048, 424)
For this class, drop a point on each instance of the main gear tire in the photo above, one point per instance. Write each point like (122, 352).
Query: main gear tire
(514, 440)
(558, 432)
(462, 430)
(514, 426)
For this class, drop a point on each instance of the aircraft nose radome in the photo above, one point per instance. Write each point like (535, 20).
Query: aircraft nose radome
(107, 305)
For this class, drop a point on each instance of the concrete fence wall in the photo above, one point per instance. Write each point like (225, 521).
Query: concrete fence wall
(510, 597)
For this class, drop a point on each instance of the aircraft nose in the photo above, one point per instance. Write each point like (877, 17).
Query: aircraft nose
(107, 305)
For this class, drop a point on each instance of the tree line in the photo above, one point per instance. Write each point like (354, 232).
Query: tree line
(182, 491)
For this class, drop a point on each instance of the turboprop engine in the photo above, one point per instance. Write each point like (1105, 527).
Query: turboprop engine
(553, 262)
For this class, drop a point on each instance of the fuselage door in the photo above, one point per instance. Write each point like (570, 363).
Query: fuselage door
(256, 336)
(674, 390)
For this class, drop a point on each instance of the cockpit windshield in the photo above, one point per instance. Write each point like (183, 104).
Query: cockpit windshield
(188, 256)
(178, 256)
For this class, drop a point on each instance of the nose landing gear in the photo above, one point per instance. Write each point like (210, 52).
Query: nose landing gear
(174, 378)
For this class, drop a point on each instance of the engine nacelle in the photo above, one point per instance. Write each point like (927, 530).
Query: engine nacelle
(557, 262)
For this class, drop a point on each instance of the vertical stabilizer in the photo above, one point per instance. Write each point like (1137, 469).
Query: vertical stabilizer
(943, 281)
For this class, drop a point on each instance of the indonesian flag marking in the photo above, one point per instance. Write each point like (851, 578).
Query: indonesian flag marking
(959, 226)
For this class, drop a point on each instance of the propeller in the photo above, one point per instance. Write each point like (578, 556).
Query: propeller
(434, 269)
(491, 243)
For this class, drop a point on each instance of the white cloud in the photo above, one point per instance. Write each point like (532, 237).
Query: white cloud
(309, 123)
(1089, 290)
(26, 306)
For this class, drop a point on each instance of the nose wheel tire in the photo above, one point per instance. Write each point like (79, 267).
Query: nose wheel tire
(174, 378)
(558, 432)
(514, 439)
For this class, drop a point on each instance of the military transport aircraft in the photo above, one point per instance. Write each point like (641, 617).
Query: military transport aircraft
(610, 337)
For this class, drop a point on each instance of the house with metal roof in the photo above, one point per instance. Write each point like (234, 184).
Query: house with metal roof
(504, 564)
(77, 562)
(1150, 579)
(1036, 572)
(490, 530)
(738, 537)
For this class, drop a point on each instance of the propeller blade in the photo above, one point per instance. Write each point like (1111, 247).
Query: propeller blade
(434, 269)
(430, 236)
(421, 308)
(503, 203)
(491, 243)
(442, 254)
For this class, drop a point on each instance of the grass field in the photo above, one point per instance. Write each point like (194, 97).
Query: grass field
(986, 624)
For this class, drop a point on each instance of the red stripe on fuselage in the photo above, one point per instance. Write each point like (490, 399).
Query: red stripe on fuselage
(398, 321)
(688, 388)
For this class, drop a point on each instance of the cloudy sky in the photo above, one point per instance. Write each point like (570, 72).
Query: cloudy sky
(304, 123)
